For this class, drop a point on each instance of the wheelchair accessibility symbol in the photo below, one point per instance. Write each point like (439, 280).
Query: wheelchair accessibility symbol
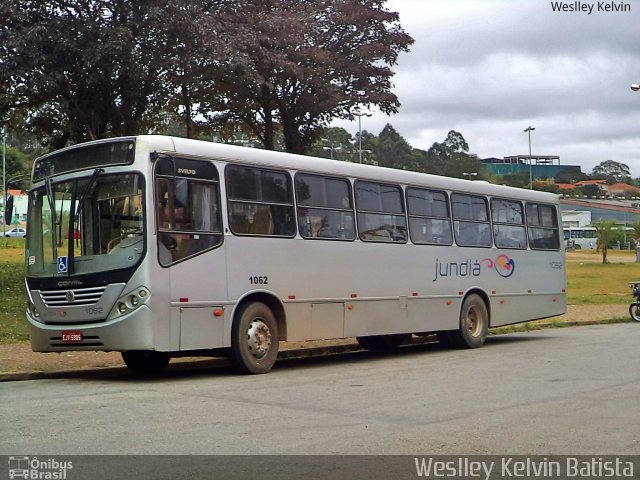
(63, 264)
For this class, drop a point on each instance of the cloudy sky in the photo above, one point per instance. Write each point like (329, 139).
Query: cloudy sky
(491, 68)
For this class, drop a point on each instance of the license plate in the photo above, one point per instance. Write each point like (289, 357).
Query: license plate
(71, 336)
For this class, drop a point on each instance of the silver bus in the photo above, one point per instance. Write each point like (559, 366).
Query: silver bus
(159, 247)
(580, 238)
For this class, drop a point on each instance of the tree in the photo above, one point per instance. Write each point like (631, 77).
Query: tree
(335, 143)
(48, 74)
(305, 63)
(605, 233)
(569, 176)
(16, 165)
(455, 143)
(392, 150)
(196, 56)
(545, 186)
(613, 172)
(462, 164)
(88, 69)
(369, 147)
(450, 157)
(518, 179)
(591, 190)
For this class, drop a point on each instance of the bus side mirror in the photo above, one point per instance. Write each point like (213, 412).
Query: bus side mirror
(8, 210)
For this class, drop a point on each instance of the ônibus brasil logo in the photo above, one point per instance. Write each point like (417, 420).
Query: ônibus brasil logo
(502, 264)
(38, 469)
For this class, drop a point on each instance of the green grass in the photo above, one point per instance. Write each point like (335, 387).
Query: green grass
(13, 300)
(591, 282)
(544, 324)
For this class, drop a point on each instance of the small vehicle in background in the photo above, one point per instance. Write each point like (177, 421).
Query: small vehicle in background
(18, 232)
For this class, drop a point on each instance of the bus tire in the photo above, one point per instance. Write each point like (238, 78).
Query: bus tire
(474, 323)
(254, 339)
(146, 362)
(382, 342)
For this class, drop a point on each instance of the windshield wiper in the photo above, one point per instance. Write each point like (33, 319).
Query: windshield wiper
(85, 194)
(88, 190)
(52, 207)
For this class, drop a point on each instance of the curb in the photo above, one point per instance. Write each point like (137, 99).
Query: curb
(101, 372)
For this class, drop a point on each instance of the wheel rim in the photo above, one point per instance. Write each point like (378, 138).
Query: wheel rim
(474, 321)
(258, 339)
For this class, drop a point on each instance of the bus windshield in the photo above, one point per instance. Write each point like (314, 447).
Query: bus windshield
(86, 225)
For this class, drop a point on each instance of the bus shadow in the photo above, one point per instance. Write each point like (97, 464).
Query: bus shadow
(290, 360)
(506, 338)
(432, 347)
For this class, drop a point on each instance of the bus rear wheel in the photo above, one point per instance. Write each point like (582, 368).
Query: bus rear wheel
(474, 323)
(254, 339)
(146, 362)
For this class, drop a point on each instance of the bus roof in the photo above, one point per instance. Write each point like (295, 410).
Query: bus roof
(290, 161)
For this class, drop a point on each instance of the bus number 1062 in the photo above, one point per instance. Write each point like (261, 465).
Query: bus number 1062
(259, 280)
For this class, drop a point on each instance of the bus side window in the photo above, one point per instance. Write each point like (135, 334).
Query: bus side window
(508, 224)
(381, 214)
(429, 219)
(260, 202)
(325, 208)
(470, 220)
(542, 222)
(187, 215)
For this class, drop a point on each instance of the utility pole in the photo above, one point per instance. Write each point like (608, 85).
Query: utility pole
(4, 180)
(529, 130)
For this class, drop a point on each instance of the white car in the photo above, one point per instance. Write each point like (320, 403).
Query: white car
(16, 232)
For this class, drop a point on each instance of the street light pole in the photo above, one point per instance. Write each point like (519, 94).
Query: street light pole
(359, 114)
(360, 138)
(331, 146)
(528, 130)
(4, 178)
(635, 87)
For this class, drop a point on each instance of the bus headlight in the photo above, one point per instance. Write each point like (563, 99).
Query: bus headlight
(35, 314)
(132, 300)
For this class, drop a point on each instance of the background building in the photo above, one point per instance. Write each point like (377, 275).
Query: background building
(20, 203)
(542, 166)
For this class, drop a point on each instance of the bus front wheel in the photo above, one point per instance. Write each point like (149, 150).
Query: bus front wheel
(254, 339)
(474, 323)
(143, 362)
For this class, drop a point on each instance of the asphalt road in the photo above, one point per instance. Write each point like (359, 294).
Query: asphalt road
(562, 391)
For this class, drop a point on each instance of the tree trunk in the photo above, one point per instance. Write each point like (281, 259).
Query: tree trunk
(292, 139)
(186, 101)
(269, 141)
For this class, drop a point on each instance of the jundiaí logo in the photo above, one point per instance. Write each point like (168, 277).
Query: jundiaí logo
(502, 264)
